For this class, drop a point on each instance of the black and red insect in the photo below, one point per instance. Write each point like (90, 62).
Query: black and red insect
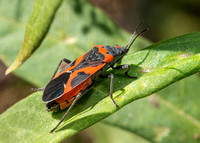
(77, 77)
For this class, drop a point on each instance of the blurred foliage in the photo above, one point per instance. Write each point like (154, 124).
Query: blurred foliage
(164, 18)
(170, 18)
(40, 19)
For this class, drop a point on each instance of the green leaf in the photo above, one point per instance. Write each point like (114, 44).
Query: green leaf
(36, 29)
(105, 133)
(166, 63)
(171, 115)
(77, 27)
(68, 38)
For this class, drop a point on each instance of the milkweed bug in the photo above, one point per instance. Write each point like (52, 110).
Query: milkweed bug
(77, 77)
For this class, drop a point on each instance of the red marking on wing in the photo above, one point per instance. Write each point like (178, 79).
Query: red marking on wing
(71, 67)
(69, 92)
(108, 57)
(99, 46)
(118, 46)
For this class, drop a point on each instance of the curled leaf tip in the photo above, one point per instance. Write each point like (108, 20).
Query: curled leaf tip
(14, 66)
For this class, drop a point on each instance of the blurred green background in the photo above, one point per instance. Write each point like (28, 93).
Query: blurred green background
(165, 19)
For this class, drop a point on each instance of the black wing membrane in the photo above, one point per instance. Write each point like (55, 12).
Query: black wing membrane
(79, 78)
(55, 87)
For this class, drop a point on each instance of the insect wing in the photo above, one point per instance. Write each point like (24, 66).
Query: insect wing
(76, 73)
(55, 87)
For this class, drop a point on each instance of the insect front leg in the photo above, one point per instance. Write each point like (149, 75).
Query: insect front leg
(126, 66)
(63, 60)
(70, 107)
(111, 76)
(37, 89)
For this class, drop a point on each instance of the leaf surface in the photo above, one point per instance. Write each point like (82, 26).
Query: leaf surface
(96, 104)
(77, 27)
(36, 29)
(170, 115)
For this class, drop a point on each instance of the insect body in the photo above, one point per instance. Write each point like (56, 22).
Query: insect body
(66, 87)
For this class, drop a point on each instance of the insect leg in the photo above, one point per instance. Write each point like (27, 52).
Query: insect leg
(126, 66)
(73, 103)
(111, 76)
(37, 89)
(63, 60)
(42, 89)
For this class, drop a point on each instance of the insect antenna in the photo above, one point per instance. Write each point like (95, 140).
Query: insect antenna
(134, 36)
